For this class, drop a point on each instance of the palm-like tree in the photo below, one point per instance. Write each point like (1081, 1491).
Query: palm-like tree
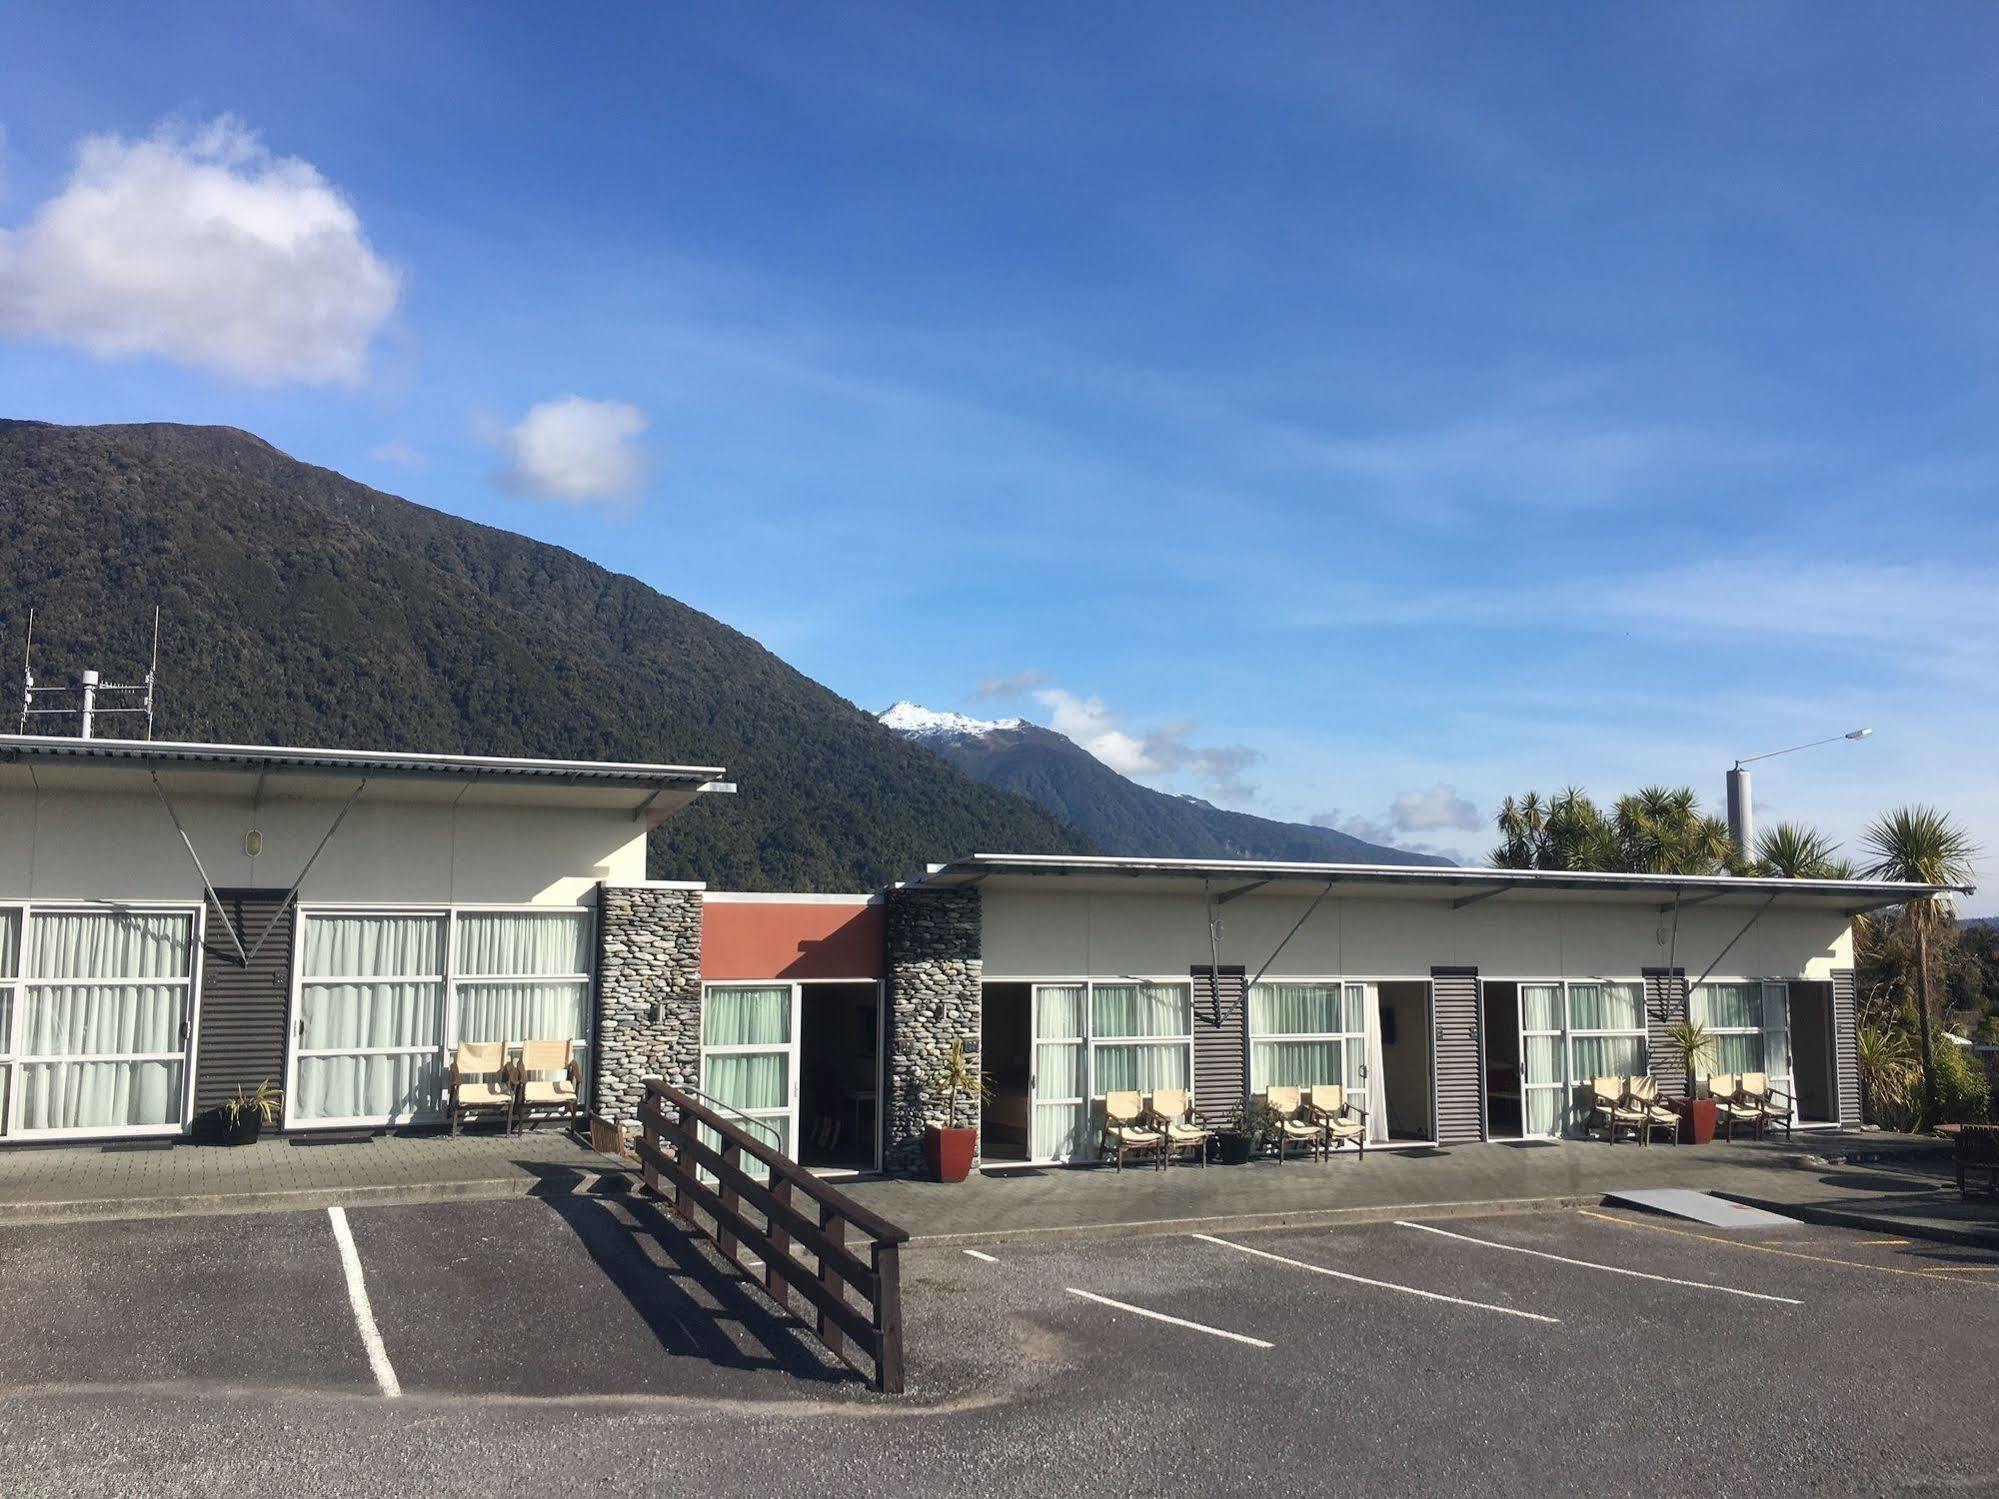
(1887, 1070)
(1662, 830)
(1922, 846)
(1793, 851)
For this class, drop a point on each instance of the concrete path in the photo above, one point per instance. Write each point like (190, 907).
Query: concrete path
(44, 1183)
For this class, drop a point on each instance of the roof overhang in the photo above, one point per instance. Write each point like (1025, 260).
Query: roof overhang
(1255, 880)
(649, 793)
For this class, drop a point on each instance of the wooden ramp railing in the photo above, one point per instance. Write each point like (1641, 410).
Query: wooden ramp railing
(792, 1223)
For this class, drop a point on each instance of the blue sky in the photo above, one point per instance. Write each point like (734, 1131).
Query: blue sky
(1356, 415)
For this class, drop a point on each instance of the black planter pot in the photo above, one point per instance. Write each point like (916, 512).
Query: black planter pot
(1234, 1149)
(246, 1129)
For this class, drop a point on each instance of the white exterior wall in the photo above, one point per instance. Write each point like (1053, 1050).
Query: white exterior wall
(1063, 934)
(81, 845)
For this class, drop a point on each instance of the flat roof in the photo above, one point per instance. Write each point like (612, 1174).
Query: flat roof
(1461, 884)
(53, 762)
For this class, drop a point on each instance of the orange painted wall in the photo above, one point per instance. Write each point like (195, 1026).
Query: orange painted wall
(780, 940)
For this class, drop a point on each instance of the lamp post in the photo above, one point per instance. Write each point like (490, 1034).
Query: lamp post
(1741, 814)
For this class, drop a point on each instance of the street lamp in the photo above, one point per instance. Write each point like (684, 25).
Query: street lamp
(1741, 814)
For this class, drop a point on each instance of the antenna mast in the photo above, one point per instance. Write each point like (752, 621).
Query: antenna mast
(88, 709)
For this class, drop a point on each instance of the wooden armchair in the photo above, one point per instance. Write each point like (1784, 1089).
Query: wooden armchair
(1294, 1126)
(1610, 1110)
(1126, 1132)
(1772, 1105)
(541, 1095)
(1184, 1127)
(1341, 1121)
(1642, 1094)
(1730, 1109)
(479, 1081)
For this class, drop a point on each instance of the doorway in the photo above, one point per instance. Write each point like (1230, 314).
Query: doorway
(1500, 1015)
(839, 1075)
(1403, 1015)
(1007, 1056)
(1812, 1053)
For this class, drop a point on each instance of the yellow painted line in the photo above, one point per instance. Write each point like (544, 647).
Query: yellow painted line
(1792, 1254)
(1883, 1241)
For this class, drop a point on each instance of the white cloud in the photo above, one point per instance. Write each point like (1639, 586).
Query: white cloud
(1162, 751)
(401, 454)
(1438, 808)
(575, 450)
(199, 246)
(1018, 685)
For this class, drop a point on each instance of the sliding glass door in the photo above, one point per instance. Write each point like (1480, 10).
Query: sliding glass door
(749, 1058)
(1572, 1033)
(96, 1008)
(1544, 1082)
(384, 997)
(1093, 1038)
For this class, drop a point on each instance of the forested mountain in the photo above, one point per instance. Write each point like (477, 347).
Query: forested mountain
(1116, 813)
(302, 608)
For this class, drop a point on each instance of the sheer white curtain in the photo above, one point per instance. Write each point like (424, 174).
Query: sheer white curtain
(1119, 1011)
(106, 1004)
(1295, 1010)
(749, 1016)
(522, 976)
(371, 998)
(1377, 1082)
(519, 944)
(1060, 1129)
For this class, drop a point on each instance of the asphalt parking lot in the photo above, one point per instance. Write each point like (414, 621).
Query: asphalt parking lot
(540, 1342)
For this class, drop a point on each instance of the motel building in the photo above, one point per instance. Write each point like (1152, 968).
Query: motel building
(178, 921)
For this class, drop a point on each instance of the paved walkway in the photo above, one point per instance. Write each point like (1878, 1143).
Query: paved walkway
(1049, 1202)
(1862, 1180)
(38, 1183)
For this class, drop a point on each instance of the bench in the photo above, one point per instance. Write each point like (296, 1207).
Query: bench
(1977, 1150)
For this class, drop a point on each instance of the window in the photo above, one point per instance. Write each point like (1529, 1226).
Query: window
(1303, 1035)
(384, 996)
(1735, 1013)
(1606, 1031)
(746, 1056)
(98, 1015)
(1141, 1037)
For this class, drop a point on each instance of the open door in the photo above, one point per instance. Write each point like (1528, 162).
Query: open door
(1544, 1072)
(1060, 1084)
(1777, 1041)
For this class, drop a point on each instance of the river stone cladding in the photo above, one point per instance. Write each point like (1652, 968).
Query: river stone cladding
(934, 971)
(648, 954)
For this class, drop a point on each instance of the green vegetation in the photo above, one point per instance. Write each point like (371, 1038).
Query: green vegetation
(1659, 830)
(302, 608)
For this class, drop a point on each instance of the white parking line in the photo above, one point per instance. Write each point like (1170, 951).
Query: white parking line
(1385, 1285)
(364, 1315)
(989, 1259)
(1139, 1311)
(1562, 1259)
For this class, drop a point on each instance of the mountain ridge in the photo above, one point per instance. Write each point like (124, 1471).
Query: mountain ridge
(302, 607)
(1117, 813)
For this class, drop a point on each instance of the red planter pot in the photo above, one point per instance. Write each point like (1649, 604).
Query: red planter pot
(948, 1152)
(1696, 1120)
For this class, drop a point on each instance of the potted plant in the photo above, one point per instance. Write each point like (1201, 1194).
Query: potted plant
(948, 1148)
(243, 1117)
(1254, 1126)
(1693, 1046)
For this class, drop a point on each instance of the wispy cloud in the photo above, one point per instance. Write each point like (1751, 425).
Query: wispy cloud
(1018, 685)
(401, 454)
(573, 449)
(1149, 754)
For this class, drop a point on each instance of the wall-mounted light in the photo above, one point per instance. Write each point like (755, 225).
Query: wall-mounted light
(253, 843)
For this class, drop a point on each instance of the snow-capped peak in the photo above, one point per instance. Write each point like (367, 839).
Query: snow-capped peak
(921, 723)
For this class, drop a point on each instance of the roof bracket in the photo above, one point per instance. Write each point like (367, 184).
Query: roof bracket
(1471, 900)
(1758, 916)
(1246, 988)
(1228, 895)
(1679, 903)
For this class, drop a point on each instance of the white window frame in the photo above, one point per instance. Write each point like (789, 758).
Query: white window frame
(447, 981)
(13, 1061)
(1575, 1033)
(1780, 1077)
(1567, 1122)
(1090, 1043)
(1347, 1039)
(789, 1111)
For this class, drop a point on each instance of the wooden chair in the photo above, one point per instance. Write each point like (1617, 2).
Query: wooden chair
(1642, 1094)
(1729, 1109)
(1125, 1131)
(479, 1081)
(1610, 1110)
(1341, 1121)
(1977, 1150)
(1293, 1126)
(1185, 1127)
(559, 1096)
(1773, 1105)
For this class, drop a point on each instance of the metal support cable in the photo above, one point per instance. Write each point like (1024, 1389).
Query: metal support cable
(1287, 940)
(292, 894)
(206, 884)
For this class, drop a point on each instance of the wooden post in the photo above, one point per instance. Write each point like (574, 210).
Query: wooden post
(780, 1243)
(835, 1228)
(725, 1241)
(888, 1318)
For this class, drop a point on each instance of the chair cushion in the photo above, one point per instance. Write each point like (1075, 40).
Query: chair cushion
(1131, 1135)
(1347, 1128)
(561, 1090)
(1187, 1132)
(1305, 1131)
(482, 1095)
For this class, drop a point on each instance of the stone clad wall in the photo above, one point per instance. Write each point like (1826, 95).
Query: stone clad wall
(935, 966)
(648, 954)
